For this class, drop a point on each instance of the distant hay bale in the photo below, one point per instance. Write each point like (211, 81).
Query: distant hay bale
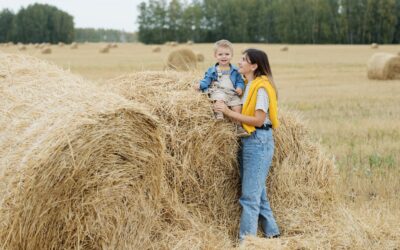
(199, 57)
(22, 48)
(284, 48)
(374, 46)
(383, 66)
(202, 172)
(182, 60)
(74, 46)
(156, 49)
(173, 44)
(114, 45)
(189, 42)
(46, 51)
(61, 44)
(105, 49)
(37, 46)
(78, 169)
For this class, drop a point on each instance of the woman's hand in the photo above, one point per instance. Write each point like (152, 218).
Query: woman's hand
(220, 106)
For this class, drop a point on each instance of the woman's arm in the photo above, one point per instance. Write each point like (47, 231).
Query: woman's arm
(257, 120)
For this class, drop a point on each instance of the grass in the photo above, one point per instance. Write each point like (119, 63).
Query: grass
(356, 119)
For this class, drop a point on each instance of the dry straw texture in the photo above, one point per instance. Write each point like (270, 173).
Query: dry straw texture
(284, 48)
(105, 49)
(374, 46)
(74, 45)
(384, 66)
(46, 51)
(200, 57)
(182, 60)
(79, 168)
(156, 49)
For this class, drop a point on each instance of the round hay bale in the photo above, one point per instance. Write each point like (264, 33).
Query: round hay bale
(37, 46)
(46, 51)
(182, 60)
(383, 66)
(105, 49)
(114, 45)
(189, 42)
(200, 57)
(61, 44)
(202, 172)
(173, 44)
(74, 46)
(284, 48)
(22, 48)
(374, 46)
(78, 169)
(156, 49)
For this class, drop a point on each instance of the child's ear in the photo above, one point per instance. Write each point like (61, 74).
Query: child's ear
(254, 67)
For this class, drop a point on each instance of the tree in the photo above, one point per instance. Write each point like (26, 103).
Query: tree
(44, 23)
(7, 26)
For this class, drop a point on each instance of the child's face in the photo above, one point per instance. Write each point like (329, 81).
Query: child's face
(223, 56)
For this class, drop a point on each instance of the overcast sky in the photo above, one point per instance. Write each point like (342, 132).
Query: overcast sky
(109, 14)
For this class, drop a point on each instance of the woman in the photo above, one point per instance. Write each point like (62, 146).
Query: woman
(258, 117)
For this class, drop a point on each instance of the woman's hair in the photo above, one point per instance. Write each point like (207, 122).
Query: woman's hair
(259, 57)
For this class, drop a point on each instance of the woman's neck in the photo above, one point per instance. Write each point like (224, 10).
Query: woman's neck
(249, 77)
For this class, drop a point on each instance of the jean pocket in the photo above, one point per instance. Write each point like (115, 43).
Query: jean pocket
(263, 136)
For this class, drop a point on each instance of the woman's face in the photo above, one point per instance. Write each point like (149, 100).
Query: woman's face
(245, 67)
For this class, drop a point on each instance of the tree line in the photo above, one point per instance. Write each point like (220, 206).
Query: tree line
(42, 23)
(272, 21)
(36, 24)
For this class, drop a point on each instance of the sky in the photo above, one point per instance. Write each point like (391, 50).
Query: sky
(108, 14)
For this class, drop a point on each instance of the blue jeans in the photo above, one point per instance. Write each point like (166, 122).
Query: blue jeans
(255, 159)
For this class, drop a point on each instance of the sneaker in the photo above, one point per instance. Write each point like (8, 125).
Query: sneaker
(219, 115)
(241, 132)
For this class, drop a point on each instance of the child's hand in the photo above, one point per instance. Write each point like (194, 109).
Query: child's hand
(239, 91)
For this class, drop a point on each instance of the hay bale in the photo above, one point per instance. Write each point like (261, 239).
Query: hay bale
(22, 48)
(202, 172)
(182, 60)
(74, 46)
(105, 49)
(156, 49)
(374, 46)
(189, 42)
(383, 66)
(284, 48)
(78, 169)
(199, 57)
(61, 44)
(114, 45)
(173, 44)
(46, 51)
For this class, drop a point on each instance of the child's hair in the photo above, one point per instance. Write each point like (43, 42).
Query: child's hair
(259, 57)
(223, 44)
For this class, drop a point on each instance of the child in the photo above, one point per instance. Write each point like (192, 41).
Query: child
(223, 81)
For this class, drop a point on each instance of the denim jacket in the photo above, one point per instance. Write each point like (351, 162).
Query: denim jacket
(212, 75)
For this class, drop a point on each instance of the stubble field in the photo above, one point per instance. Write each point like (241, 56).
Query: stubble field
(357, 120)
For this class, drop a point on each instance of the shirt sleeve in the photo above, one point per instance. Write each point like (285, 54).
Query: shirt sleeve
(262, 100)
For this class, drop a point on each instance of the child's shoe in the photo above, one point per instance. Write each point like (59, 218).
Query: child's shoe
(219, 115)
(241, 132)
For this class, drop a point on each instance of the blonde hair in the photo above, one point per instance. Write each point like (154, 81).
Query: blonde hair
(223, 44)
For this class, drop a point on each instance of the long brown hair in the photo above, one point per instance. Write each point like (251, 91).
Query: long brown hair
(259, 57)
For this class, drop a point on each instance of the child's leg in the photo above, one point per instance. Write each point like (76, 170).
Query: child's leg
(237, 109)
(239, 129)
(218, 115)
